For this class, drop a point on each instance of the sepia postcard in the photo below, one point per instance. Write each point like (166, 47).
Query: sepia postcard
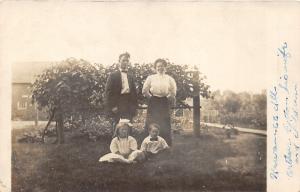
(149, 96)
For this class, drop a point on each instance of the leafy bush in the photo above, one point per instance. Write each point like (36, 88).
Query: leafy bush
(31, 137)
(97, 127)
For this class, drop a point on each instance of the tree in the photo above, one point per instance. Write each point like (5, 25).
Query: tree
(70, 87)
(260, 107)
(75, 87)
(242, 109)
(232, 102)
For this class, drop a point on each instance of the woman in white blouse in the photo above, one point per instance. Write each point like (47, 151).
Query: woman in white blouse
(160, 89)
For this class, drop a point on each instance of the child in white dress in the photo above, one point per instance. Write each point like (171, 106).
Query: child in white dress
(153, 144)
(123, 146)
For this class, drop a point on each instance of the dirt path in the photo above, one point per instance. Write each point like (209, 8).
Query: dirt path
(241, 129)
(26, 124)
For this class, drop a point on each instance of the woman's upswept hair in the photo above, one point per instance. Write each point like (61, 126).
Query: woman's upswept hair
(163, 61)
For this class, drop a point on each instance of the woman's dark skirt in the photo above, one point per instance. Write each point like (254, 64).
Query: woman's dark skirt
(159, 112)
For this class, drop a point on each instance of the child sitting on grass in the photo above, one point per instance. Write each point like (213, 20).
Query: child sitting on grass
(153, 144)
(122, 146)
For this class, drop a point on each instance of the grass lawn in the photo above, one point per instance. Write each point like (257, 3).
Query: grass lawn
(209, 163)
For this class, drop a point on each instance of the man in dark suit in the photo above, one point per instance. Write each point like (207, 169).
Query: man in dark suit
(120, 92)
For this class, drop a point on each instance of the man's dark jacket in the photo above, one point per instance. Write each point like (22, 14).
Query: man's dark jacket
(113, 92)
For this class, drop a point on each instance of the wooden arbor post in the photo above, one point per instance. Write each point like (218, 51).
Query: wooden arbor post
(196, 103)
(36, 118)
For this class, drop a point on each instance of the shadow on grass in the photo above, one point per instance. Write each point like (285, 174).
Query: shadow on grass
(191, 165)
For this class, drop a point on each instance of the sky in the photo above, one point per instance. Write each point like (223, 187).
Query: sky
(227, 42)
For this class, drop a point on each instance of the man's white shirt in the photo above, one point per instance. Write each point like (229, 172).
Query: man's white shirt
(125, 85)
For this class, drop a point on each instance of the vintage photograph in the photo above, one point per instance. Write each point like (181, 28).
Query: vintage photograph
(128, 96)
